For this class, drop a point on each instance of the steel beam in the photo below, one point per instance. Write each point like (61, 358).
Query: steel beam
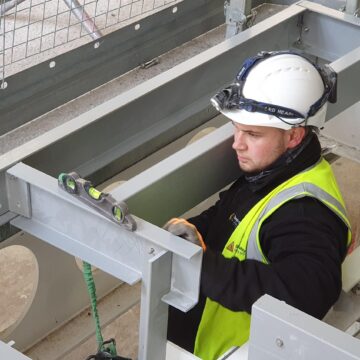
(352, 7)
(184, 179)
(327, 33)
(169, 266)
(279, 331)
(75, 228)
(8, 353)
(348, 70)
(153, 311)
(85, 145)
(236, 12)
(31, 93)
(175, 107)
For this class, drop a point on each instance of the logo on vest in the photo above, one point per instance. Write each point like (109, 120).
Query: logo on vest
(230, 247)
(235, 249)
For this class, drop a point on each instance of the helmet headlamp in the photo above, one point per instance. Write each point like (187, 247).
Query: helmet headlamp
(232, 96)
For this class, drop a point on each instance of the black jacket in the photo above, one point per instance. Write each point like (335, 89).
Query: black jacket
(304, 241)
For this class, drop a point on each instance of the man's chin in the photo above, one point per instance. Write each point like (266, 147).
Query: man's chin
(246, 168)
(249, 170)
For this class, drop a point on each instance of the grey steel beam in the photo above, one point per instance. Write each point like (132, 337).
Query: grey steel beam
(158, 111)
(327, 33)
(236, 12)
(352, 7)
(348, 70)
(168, 266)
(8, 353)
(37, 90)
(279, 331)
(63, 221)
(153, 311)
(125, 129)
(183, 180)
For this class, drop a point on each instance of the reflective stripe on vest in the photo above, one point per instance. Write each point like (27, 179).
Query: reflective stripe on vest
(220, 328)
(253, 250)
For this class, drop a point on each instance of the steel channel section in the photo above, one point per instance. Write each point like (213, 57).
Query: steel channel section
(153, 311)
(327, 33)
(352, 6)
(348, 70)
(152, 114)
(279, 331)
(103, 151)
(8, 353)
(344, 130)
(183, 180)
(149, 253)
(236, 12)
(31, 93)
(79, 230)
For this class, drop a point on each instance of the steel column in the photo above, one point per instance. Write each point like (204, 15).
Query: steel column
(236, 12)
(156, 282)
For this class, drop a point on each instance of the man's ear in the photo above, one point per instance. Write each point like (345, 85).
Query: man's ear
(296, 136)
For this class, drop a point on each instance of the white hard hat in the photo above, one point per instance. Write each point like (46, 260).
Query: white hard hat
(295, 87)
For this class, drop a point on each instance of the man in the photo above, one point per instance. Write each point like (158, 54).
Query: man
(281, 229)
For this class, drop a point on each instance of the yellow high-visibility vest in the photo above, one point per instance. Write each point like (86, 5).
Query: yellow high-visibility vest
(220, 328)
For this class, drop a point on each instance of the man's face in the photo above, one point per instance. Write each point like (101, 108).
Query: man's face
(257, 147)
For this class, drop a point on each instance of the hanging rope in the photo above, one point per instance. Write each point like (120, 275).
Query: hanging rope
(106, 349)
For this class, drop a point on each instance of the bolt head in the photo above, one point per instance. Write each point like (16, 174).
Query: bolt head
(279, 343)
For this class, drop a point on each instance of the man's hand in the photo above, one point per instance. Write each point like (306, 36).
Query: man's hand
(186, 230)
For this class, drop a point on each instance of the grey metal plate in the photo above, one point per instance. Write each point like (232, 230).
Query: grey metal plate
(279, 331)
(8, 353)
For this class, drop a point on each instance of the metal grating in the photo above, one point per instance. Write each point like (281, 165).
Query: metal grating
(32, 27)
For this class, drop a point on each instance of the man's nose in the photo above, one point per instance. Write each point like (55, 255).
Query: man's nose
(239, 141)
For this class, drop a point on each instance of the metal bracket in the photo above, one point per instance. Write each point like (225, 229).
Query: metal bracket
(168, 266)
(352, 7)
(18, 196)
(7, 352)
(236, 12)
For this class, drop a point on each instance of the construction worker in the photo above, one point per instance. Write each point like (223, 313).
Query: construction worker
(281, 229)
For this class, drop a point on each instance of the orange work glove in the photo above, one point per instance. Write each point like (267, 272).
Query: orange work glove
(186, 230)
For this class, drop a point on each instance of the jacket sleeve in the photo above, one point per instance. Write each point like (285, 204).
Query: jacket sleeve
(305, 243)
(206, 219)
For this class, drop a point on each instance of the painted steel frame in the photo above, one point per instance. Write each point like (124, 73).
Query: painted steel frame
(104, 151)
(180, 113)
(37, 90)
(129, 256)
(279, 331)
(169, 268)
(7, 352)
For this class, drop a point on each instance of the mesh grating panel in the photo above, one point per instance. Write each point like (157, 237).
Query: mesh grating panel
(32, 27)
